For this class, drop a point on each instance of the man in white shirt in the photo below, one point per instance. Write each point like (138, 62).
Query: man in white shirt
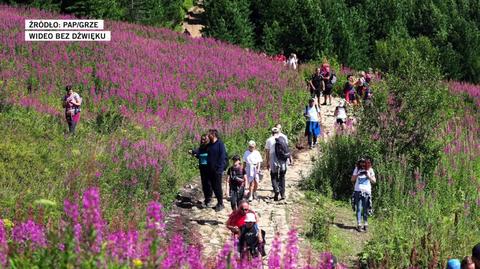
(281, 134)
(277, 168)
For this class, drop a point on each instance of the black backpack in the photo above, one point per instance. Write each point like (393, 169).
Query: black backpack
(281, 149)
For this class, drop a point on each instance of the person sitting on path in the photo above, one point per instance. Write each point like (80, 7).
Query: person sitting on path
(316, 85)
(476, 255)
(363, 177)
(250, 240)
(216, 161)
(237, 178)
(237, 217)
(202, 154)
(341, 114)
(467, 263)
(253, 163)
(327, 92)
(72, 102)
(349, 90)
(277, 167)
(312, 128)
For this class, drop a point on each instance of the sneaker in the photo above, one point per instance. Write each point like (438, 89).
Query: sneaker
(324, 104)
(219, 207)
(250, 197)
(206, 204)
(275, 198)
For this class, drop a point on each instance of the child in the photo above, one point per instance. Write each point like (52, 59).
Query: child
(341, 114)
(237, 177)
(252, 162)
(250, 240)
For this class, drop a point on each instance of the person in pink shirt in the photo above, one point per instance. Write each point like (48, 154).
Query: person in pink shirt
(72, 102)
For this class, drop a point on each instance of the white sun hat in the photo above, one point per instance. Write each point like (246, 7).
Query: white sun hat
(251, 143)
(250, 218)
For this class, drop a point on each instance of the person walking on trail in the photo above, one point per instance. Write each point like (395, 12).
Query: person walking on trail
(277, 154)
(316, 85)
(72, 102)
(253, 163)
(312, 128)
(292, 61)
(251, 242)
(237, 178)
(201, 153)
(363, 177)
(349, 90)
(476, 255)
(327, 92)
(237, 217)
(281, 134)
(216, 161)
(341, 114)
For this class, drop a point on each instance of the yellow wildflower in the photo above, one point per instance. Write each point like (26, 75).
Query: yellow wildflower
(137, 262)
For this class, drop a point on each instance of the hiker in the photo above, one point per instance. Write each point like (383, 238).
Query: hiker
(277, 154)
(72, 102)
(237, 178)
(237, 217)
(251, 241)
(312, 128)
(327, 92)
(201, 153)
(292, 61)
(341, 114)
(363, 177)
(281, 134)
(316, 85)
(467, 263)
(453, 264)
(476, 255)
(253, 161)
(349, 90)
(325, 69)
(216, 161)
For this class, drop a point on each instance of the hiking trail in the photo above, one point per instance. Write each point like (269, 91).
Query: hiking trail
(209, 227)
(193, 21)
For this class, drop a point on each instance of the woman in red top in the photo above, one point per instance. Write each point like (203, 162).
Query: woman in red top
(237, 218)
(71, 103)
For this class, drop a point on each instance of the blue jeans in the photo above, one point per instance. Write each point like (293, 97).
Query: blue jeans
(361, 203)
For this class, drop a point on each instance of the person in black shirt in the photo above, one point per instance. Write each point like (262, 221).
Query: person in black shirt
(216, 162)
(316, 84)
(201, 153)
(237, 176)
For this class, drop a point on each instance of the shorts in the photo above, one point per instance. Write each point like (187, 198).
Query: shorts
(316, 93)
(327, 91)
(340, 121)
(256, 178)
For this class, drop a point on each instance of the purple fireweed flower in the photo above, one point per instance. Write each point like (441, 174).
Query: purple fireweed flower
(92, 218)
(223, 255)
(123, 246)
(193, 258)
(175, 255)
(3, 246)
(29, 234)
(274, 260)
(291, 254)
(155, 218)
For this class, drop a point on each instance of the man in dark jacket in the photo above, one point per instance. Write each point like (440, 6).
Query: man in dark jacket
(217, 156)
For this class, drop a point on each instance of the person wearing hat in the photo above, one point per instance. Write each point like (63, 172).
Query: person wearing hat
(237, 178)
(72, 102)
(237, 218)
(312, 128)
(252, 162)
(341, 114)
(277, 168)
(476, 255)
(363, 177)
(250, 238)
(453, 264)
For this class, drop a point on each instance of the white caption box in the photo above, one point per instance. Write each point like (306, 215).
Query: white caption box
(64, 24)
(67, 36)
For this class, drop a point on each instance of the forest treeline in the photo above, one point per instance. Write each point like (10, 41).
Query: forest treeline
(360, 33)
(164, 13)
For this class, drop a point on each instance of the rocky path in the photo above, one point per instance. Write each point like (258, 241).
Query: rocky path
(193, 20)
(275, 217)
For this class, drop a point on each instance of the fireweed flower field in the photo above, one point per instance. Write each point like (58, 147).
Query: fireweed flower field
(148, 95)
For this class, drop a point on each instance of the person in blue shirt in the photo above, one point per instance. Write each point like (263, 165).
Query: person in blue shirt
(201, 153)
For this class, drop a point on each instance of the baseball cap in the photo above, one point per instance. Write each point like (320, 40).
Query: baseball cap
(250, 217)
(251, 143)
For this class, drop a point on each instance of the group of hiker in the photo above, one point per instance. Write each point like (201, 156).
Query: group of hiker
(468, 262)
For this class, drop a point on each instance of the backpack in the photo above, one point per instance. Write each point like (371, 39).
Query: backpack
(281, 149)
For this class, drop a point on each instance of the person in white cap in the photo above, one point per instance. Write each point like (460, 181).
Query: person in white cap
(252, 160)
(341, 114)
(277, 168)
(250, 240)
